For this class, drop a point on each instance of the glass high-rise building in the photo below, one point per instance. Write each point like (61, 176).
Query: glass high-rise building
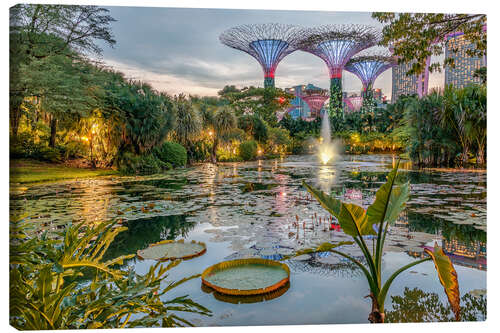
(465, 65)
(408, 85)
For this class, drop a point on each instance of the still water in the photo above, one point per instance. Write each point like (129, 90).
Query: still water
(243, 210)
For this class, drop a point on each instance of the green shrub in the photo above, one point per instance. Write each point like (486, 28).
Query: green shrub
(129, 163)
(73, 149)
(173, 153)
(227, 155)
(48, 154)
(248, 150)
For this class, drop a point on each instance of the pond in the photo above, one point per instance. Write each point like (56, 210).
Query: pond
(246, 210)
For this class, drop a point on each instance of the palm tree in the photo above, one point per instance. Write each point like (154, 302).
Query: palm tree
(223, 122)
(188, 122)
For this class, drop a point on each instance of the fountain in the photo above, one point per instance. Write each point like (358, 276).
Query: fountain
(326, 148)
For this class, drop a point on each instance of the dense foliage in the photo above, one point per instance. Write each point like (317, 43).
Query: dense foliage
(447, 129)
(173, 153)
(248, 150)
(414, 37)
(61, 281)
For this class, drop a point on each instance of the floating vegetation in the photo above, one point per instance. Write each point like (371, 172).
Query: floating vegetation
(246, 276)
(172, 250)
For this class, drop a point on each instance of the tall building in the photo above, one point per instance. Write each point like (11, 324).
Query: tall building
(465, 65)
(409, 85)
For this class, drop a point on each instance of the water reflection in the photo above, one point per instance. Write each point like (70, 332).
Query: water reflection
(213, 204)
(141, 233)
(246, 299)
(417, 305)
(326, 177)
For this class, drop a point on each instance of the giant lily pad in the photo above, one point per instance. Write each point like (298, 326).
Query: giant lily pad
(171, 250)
(251, 276)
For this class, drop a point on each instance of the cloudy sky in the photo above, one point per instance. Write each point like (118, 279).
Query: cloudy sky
(177, 50)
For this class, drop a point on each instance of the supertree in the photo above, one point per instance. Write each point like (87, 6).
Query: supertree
(367, 68)
(315, 99)
(269, 43)
(353, 103)
(336, 44)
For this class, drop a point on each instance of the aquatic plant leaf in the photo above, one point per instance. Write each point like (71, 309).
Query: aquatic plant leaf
(447, 277)
(389, 201)
(332, 205)
(354, 221)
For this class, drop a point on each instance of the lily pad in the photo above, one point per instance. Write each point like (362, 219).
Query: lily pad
(171, 250)
(252, 276)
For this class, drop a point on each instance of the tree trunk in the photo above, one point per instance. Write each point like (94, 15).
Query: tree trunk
(480, 159)
(214, 150)
(376, 316)
(15, 117)
(53, 130)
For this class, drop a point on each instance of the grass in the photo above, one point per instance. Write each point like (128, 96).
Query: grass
(31, 171)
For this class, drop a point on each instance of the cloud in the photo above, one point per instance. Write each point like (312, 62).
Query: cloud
(177, 49)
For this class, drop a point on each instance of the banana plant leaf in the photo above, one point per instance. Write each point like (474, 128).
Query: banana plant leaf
(447, 277)
(389, 202)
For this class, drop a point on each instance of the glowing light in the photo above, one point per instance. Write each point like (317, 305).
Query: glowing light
(210, 133)
(259, 152)
(325, 157)
(84, 138)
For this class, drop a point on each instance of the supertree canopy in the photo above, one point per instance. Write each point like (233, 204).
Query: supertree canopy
(315, 98)
(336, 44)
(268, 43)
(368, 68)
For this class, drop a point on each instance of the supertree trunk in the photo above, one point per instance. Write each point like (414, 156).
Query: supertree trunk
(268, 82)
(336, 110)
(368, 100)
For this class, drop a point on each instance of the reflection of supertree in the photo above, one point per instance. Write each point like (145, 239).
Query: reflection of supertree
(336, 44)
(367, 68)
(268, 43)
(313, 266)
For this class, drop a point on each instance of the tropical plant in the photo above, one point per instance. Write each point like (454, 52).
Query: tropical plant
(355, 221)
(255, 126)
(188, 123)
(224, 122)
(173, 153)
(248, 150)
(62, 282)
(144, 115)
(465, 112)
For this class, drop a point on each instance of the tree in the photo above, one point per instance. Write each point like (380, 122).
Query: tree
(224, 122)
(254, 126)
(41, 31)
(264, 102)
(145, 116)
(187, 122)
(61, 85)
(416, 36)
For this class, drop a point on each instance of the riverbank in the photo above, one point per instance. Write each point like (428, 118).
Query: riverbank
(25, 171)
